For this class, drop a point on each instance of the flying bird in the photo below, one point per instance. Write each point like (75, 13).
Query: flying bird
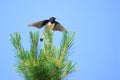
(50, 24)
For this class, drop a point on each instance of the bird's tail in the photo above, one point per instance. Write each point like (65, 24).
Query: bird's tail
(30, 25)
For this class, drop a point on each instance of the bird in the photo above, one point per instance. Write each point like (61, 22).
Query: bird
(50, 24)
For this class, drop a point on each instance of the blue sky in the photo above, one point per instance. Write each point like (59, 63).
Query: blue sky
(97, 39)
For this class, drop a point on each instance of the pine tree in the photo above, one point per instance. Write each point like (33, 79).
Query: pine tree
(46, 63)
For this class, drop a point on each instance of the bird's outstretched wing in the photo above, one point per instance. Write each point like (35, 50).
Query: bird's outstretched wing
(59, 27)
(39, 24)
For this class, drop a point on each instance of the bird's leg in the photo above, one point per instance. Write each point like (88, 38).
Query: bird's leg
(43, 35)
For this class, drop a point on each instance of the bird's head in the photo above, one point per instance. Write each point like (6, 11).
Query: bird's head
(52, 19)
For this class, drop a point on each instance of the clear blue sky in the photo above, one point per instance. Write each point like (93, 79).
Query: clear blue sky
(97, 40)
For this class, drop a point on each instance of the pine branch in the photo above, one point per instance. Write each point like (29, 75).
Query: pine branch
(46, 63)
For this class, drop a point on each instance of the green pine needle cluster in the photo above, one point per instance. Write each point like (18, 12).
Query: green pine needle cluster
(46, 63)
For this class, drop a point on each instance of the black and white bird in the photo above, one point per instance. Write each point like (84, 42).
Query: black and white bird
(50, 24)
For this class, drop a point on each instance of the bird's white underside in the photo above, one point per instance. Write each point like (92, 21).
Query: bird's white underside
(48, 26)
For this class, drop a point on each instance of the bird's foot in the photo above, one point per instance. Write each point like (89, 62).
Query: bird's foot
(41, 39)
